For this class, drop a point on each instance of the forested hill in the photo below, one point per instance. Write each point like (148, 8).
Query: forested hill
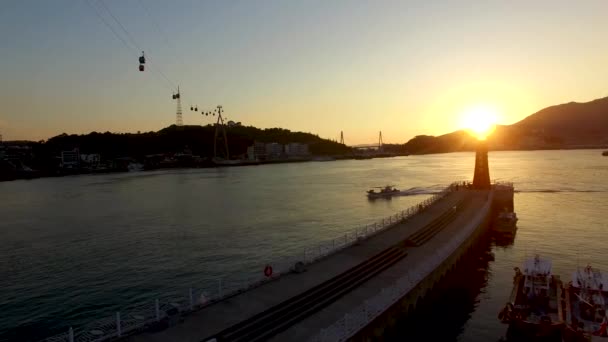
(572, 123)
(569, 125)
(198, 139)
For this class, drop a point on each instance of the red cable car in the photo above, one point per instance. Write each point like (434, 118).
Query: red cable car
(142, 61)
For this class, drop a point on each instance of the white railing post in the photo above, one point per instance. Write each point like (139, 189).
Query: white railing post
(71, 335)
(157, 309)
(191, 300)
(118, 328)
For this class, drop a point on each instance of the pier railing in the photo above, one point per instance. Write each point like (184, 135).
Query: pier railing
(358, 318)
(326, 248)
(166, 311)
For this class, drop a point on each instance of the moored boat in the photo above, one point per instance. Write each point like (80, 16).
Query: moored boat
(605, 153)
(233, 162)
(585, 306)
(505, 222)
(534, 305)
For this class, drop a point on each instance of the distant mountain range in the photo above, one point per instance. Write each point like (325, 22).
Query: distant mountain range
(569, 125)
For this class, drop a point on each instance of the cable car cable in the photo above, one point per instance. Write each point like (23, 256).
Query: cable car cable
(124, 29)
(167, 83)
(131, 39)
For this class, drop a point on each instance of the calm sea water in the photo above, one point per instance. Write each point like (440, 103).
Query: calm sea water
(78, 248)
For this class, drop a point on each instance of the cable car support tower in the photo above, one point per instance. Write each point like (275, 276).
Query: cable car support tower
(178, 111)
(220, 135)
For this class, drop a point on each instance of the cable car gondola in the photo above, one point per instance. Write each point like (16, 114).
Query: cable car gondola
(142, 61)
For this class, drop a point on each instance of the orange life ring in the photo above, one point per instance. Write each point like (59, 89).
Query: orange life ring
(268, 270)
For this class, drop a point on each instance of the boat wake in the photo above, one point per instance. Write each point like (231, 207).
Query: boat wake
(418, 191)
(550, 191)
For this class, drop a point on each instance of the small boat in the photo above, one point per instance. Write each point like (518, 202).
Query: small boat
(534, 306)
(323, 158)
(233, 162)
(585, 306)
(605, 153)
(384, 192)
(505, 222)
(135, 167)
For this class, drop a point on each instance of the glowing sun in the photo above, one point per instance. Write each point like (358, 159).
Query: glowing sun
(480, 121)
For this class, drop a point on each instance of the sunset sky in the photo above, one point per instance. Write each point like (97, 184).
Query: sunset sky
(402, 67)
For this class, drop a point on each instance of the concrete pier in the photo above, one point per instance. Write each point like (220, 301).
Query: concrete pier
(298, 306)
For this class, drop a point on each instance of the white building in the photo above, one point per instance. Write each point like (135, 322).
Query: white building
(92, 159)
(251, 153)
(296, 150)
(274, 150)
(257, 151)
(70, 159)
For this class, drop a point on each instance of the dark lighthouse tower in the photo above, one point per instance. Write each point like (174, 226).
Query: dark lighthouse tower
(481, 179)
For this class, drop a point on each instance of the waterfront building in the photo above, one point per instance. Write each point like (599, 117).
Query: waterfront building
(274, 151)
(70, 159)
(257, 151)
(91, 159)
(296, 150)
(250, 153)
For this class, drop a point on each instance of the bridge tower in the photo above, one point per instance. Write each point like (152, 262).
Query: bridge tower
(481, 178)
(380, 143)
(342, 138)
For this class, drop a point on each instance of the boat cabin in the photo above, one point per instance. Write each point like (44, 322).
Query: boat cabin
(587, 301)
